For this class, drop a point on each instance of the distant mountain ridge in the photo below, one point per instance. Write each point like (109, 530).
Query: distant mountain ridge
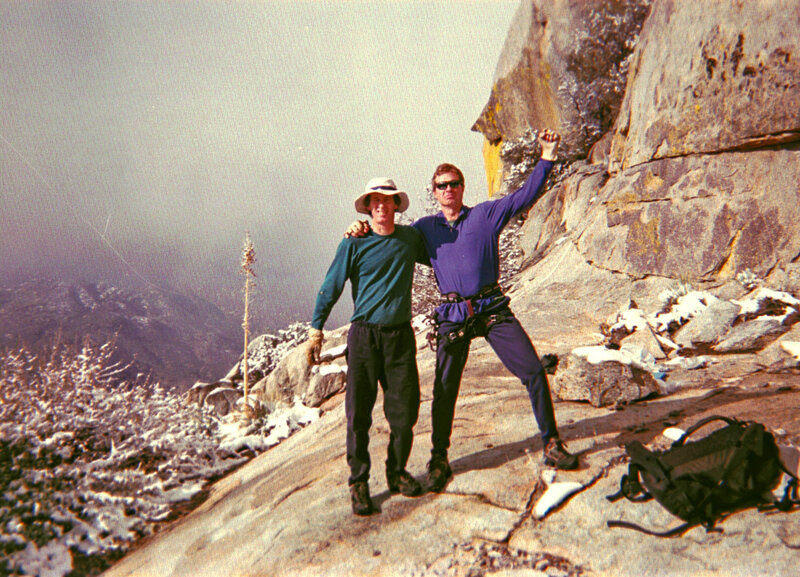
(175, 338)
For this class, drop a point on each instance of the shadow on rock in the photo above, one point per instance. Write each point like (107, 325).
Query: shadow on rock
(639, 421)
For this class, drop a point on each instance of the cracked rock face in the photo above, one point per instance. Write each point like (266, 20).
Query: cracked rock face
(701, 81)
(703, 218)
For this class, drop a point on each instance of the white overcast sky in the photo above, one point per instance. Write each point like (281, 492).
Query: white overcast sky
(141, 139)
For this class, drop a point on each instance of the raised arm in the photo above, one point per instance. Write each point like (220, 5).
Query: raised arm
(500, 211)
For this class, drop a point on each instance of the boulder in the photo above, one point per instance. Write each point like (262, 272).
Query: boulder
(215, 395)
(703, 81)
(786, 277)
(709, 326)
(777, 354)
(223, 400)
(751, 335)
(326, 381)
(199, 391)
(603, 384)
(294, 377)
(286, 381)
(564, 67)
(644, 338)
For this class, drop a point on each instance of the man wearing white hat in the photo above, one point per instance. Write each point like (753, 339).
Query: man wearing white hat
(381, 347)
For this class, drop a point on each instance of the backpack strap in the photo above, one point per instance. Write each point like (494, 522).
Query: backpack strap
(647, 461)
(702, 423)
(679, 530)
(630, 487)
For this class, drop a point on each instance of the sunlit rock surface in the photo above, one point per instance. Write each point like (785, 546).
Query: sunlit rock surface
(724, 77)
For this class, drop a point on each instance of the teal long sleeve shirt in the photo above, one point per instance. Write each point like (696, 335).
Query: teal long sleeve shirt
(380, 270)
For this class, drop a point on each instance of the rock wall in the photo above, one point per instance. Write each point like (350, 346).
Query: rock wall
(697, 180)
(697, 218)
(703, 81)
(564, 65)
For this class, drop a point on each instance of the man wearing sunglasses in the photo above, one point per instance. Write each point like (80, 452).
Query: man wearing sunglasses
(463, 246)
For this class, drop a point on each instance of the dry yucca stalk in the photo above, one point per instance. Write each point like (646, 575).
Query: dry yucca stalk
(248, 260)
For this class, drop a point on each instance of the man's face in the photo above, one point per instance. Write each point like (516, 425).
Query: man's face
(382, 207)
(449, 190)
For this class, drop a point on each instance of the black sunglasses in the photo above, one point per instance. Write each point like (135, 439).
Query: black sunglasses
(444, 185)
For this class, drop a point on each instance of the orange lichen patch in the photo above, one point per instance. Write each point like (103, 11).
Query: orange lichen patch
(492, 107)
(488, 121)
(643, 238)
(653, 182)
(493, 165)
(729, 268)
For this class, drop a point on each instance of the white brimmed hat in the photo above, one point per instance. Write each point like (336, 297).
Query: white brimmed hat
(381, 185)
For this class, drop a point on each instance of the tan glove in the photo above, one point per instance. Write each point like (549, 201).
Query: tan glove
(357, 229)
(314, 346)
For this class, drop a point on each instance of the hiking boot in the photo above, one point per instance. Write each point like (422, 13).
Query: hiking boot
(556, 455)
(359, 497)
(404, 484)
(438, 473)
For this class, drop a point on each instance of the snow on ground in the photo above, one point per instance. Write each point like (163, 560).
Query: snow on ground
(679, 305)
(793, 348)
(685, 307)
(331, 369)
(626, 354)
(555, 494)
(752, 302)
(335, 352)
(632, 319)
(90, 464)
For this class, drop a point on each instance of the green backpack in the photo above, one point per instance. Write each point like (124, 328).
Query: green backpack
(733, 468)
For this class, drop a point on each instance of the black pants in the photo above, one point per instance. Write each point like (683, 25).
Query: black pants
(511, 343)
(385, 355)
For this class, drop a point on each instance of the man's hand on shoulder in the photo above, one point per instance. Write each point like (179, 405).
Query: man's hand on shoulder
(549, 142)
(357, 229)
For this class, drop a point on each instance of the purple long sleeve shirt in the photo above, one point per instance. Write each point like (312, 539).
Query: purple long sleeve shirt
(465, 254)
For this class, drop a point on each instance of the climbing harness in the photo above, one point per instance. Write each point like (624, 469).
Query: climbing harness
(476, 324)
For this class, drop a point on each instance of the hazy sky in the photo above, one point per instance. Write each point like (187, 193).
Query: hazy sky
(140, 140)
